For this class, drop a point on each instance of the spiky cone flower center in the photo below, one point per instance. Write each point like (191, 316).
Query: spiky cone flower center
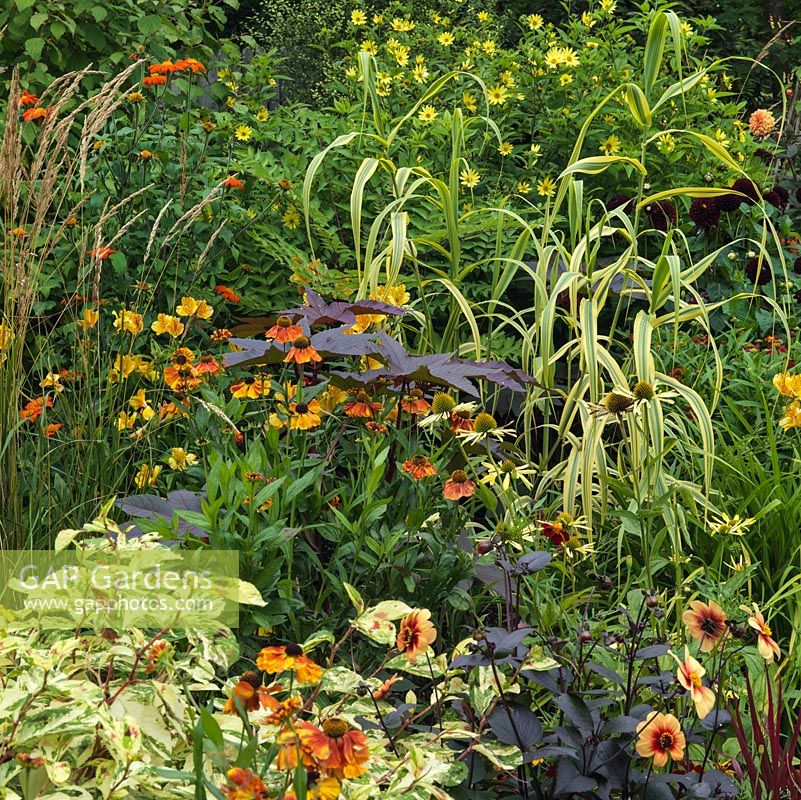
(484, 423)
(617, 403)
(643, 390)
(442, 403)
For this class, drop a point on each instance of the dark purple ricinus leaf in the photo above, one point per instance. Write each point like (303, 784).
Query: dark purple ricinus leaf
(318, 312)
(515, 724)
(153, 507)
(333, 343)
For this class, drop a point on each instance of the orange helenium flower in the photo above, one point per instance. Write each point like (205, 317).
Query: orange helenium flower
(251, 694)
(207, 364)
(251, 386)
(290, 658)
(304, 416)
(361, 406)
(293, 747)
(766, 645)
(339, 749)
(417, 633)
(302, 352)
(660, 737)
(706, 623)
(419, 467)
(284, 331)
(415, 403)
(689, 675)
(462, 421)
(246, 785)
(458, 486)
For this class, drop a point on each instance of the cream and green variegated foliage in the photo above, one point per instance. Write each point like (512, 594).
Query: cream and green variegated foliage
(556, 250)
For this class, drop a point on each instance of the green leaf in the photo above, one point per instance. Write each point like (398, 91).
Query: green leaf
(654, 50)
(149, 24)
(34, 47)
(37, 20)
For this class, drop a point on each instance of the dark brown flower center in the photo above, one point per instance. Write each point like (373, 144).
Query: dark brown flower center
(709, 626)
(419, 461)
(462, 414)
(294, 650)
(415, 394)
(283, 322)
(335, 727)
(665, 740)
(180, 360)
(249, 381)
(301, 343)
(302, 408)
(459, 476)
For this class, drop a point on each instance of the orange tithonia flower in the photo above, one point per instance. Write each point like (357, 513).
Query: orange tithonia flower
(52, 429)
(227, 294)
(290, 657)
(251, 387)
(461, 420)
(154, 80)
(28, 99)
(419, 467)
(233, 183)
(689, 675)
(362, 406)
(302, 352)
(294, 749)
(339, 749)
(103, 253)
(766, 645)
(33, 410)
(244, 785)
(660, 737)
(251, 694)
(458, 486)
(284, 331)
(706, 623)
(417, 633)
(304, 416)
(36, 113)
(415, 403)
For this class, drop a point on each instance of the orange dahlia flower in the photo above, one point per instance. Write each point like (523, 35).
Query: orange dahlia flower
(706, 623)
(458, 486)
(339, 749)
(417, 633)
(766, 645)
(660, 737)
(689, 675)
(289, 658)
(761, 122)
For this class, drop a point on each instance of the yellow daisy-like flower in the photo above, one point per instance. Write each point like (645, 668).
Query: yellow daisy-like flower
(243, 132)
(505, 148)
(565, 78)
(291, 218)
(420, 73)
(469, 101)
(358, 17)
(368, 46)
(546, 188)
(179, 460)
(147, 476)
(497, 95)
(262, 115)
(469, 178)
(610, 145)
(523, 187)
(535, 21)
(609, 6)
(587, 19)
(483, 17)
(445, 39)
(427, 114)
